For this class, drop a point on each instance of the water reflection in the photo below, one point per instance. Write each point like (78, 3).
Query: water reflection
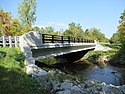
(107, 73)
(84, 71)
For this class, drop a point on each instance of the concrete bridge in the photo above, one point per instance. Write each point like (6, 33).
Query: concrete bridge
(36, 46)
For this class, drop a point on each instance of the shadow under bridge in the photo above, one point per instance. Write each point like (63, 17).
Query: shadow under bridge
(65, 52)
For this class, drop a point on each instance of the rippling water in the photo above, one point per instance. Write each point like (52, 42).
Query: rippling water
(83, 71)
(108, 74)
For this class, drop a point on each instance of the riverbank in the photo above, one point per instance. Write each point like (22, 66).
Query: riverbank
(55, 82)
(13, 78)
(111, 54)
(100, 57)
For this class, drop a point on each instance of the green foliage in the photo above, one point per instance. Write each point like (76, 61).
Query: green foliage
(121, 28)
(26, 11)
(2, 54)
(75, 30)
(10, 26)
(115, 38)
(36, 28)
(114, 46)
(119, 58)
(49, 61)
(95, 34)
(5, 22)
(100, 54)
(47, 30)
(13, 79)
(57, 75)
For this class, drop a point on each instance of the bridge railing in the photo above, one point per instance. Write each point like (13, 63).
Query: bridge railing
(9, 41)
(13, 41)
(47, 38)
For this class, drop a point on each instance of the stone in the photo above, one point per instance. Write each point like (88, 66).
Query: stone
(123, 88)
(45, 82)
(67, 92)
(28, 40)
(29, 61)
(31, 69)
(110, 89)
(64, 92)
(56, 86)
(32, 39)
(101, 48)
(76, 90)
(60, 92)
(82, 86)
(66, 85)
(41, 72)
(34, 70)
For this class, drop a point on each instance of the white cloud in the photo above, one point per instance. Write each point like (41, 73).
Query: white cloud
(55, 25)
(40, 26)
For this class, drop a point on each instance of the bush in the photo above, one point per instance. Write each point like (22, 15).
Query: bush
(13, 79)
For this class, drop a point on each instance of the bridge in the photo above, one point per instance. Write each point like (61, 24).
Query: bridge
(36, 46)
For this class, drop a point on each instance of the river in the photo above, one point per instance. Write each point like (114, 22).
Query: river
(104, 73)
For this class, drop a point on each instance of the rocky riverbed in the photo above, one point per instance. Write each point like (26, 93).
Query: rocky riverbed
(58, 82)
(49, 83)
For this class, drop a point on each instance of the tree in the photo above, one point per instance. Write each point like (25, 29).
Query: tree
(95, 34)
(36, 28)
(15, 28)
(26, 11)
(121, 27)
(48, 30)
(5, 21)
(75, 30)
(115, 38)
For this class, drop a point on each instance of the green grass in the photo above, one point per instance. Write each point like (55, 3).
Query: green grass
(100, 54)
(113, 46)
(13, 79)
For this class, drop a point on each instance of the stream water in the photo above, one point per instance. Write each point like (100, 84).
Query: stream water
(104, 73)
(83, 71)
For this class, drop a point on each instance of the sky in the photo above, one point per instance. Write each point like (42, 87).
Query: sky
(101, 14)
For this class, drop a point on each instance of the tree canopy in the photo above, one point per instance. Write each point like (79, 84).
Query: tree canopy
(27, 11)
(5, 21)
(95, 34)
(74, 30)
(115, 38)
(121, 27)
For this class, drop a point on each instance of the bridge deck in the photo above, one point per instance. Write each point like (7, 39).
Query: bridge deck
(38, 46)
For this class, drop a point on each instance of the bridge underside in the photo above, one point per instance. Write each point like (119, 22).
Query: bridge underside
(69, 53)
(71, 57)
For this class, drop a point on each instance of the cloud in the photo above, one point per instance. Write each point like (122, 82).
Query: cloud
(40, 26)
(56, 25)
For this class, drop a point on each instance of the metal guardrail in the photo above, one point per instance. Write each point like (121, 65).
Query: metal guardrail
(9, 41)
(13, 41)
(46, 38)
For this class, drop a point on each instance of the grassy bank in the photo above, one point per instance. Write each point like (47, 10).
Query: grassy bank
(119, 57)
(100, 57)
(13, 79)
(116, 56)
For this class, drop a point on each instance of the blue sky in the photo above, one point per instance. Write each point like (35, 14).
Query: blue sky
(102, 14)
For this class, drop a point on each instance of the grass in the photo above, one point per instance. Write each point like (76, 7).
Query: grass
(100, 54)
(13, 79)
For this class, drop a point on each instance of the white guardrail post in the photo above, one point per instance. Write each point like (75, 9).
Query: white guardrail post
(10, 41)
(4, 41)
(16, 41)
